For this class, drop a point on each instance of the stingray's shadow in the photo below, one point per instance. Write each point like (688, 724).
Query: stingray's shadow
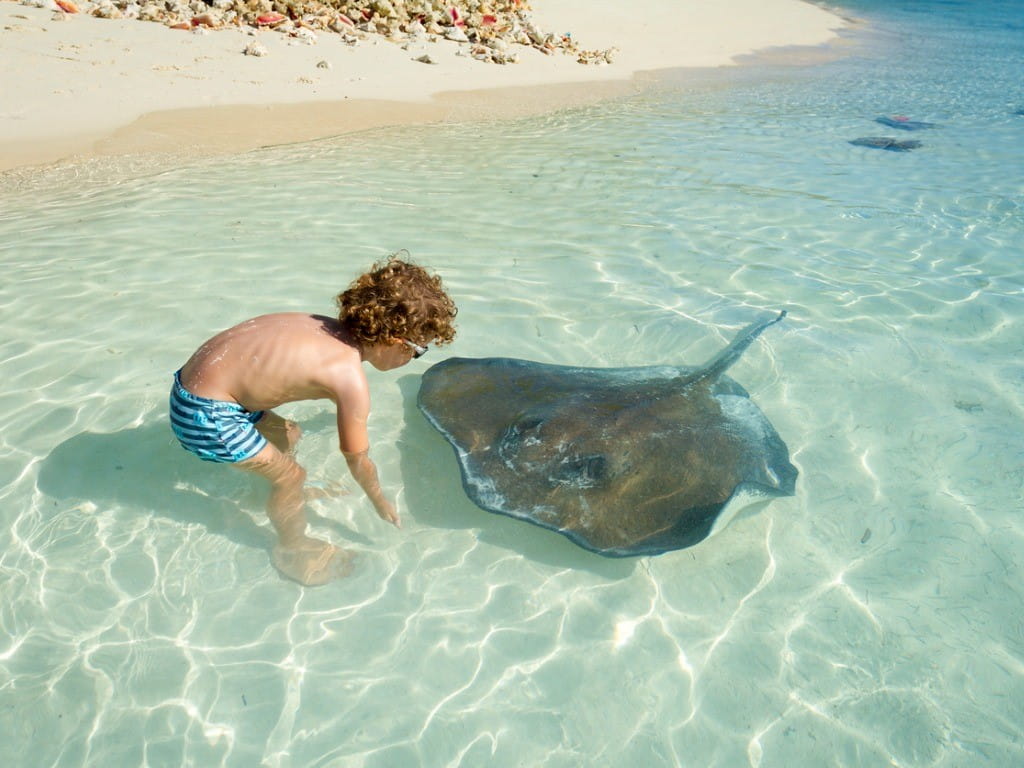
(145, 471)
(434, 493)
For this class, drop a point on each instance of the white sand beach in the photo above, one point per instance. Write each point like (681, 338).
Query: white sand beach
(78, 86)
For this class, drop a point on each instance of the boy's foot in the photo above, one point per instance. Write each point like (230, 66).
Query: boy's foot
(312, 562)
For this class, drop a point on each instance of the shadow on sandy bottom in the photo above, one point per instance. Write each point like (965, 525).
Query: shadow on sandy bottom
(434, 494)
(144, 471)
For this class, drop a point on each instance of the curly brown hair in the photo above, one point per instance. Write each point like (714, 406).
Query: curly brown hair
(397, 300)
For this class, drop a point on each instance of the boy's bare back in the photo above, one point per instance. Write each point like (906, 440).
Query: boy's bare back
(275, 359)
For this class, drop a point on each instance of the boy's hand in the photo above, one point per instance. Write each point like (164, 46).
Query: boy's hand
(387, 512)
(365, 473)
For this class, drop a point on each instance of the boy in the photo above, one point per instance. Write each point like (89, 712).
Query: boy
(222, 397)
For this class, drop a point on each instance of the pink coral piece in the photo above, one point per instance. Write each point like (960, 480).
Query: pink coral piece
(269, 19)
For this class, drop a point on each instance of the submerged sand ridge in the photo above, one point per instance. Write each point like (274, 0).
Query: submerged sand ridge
(78, 85)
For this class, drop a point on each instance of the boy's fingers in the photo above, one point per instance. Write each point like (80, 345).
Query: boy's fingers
(391, 515)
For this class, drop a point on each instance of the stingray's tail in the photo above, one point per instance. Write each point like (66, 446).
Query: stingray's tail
(720, 362)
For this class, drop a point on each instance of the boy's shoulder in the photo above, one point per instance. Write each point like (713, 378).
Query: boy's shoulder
(300, 324)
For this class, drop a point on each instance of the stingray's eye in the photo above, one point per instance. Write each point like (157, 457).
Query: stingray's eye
(530, 424)
(581, 471)
(595, 467)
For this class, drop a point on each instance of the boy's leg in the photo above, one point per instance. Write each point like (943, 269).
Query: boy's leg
(284, 434)
(307, 560)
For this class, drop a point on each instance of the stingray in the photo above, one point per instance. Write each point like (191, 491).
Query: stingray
(904, 123)
(622, 461)
(884, 142)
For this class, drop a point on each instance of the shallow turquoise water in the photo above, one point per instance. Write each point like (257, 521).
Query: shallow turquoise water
(874, 619)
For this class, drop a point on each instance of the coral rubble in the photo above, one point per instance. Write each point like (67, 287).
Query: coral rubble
(488, 30)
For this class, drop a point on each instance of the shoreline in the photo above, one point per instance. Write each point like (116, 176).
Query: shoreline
(235, 128)
(168, 93)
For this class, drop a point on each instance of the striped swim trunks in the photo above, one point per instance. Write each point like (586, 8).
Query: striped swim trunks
(214, 430)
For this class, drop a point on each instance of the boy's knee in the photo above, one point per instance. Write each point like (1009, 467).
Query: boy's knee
(279, 468)
(294, 474)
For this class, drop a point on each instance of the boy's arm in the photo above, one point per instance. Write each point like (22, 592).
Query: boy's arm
(365, 472)
(353, 403)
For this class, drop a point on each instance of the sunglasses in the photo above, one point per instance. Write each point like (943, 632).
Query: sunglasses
(417, 350)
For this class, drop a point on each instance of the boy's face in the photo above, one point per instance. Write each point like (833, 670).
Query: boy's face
(390, 355)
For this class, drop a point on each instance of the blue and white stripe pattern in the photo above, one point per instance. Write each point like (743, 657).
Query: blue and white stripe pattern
(214, 430)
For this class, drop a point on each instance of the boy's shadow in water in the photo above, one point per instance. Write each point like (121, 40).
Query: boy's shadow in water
(145, 470)
(435, 496)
